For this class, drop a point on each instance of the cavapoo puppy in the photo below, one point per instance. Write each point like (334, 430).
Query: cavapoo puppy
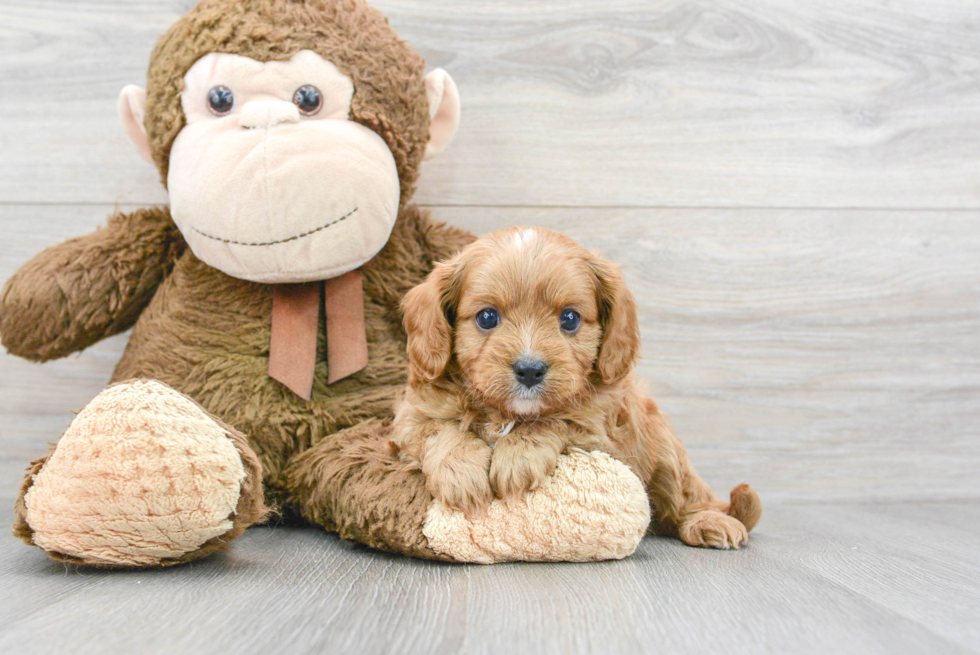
(523, 346)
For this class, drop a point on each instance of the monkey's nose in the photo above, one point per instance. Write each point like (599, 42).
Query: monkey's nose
(267, 113)
(530, 372)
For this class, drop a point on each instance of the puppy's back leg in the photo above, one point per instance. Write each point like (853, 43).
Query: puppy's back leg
(682, 503)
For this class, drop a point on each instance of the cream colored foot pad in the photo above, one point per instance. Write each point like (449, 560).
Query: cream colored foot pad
(142, 474)
(592, 508)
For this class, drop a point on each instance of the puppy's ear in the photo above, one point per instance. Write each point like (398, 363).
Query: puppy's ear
(427, 310)
(620, 326)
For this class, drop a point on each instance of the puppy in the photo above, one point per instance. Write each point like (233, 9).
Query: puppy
(523, 346)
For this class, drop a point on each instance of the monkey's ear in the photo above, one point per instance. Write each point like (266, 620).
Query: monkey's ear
(443, 111)
(132, 107)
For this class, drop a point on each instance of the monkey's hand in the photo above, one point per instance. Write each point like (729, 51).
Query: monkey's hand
(86, 289)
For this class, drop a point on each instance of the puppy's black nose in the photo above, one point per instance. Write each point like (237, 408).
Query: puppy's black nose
(530, 372)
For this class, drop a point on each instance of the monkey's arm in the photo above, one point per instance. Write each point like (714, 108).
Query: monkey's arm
(72, 295)
(354, 482)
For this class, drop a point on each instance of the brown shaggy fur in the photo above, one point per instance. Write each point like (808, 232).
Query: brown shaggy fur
(475, 431)
(207, 335)
(89, 288)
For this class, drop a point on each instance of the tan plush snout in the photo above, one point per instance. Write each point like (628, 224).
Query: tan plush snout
(267, 113)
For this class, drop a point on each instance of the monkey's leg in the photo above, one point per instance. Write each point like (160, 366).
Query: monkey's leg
(353, 482)
(682, 503)
(142, 477)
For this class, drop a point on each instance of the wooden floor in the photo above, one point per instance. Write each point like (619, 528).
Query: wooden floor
(793, 190)
(843, 578)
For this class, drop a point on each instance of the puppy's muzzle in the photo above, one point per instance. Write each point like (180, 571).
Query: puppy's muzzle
(530, 372)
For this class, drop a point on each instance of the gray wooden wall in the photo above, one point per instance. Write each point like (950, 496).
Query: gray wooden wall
(793, 189)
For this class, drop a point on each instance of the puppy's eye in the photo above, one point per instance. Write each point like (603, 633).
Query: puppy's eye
(569, 320)
(487, 319)
(308, 99)
(220, 100)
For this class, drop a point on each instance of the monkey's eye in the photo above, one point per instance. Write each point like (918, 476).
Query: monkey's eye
(220, 100)
(308, 99)
(569, 320)
(487, 319)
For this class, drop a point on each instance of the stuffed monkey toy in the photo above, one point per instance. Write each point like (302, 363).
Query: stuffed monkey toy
(267, 345)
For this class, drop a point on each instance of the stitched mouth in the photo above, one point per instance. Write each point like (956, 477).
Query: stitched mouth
(278, 241)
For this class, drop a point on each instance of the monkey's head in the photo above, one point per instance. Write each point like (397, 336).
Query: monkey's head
(289, 133)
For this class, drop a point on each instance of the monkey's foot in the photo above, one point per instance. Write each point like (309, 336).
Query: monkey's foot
(143, 477)
(592, 508)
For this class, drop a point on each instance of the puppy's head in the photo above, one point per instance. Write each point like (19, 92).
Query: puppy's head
(528, 320)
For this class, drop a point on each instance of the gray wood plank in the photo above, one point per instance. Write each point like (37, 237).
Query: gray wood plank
(800, 587)
(818, 355)
(868, 103)
(909, 558)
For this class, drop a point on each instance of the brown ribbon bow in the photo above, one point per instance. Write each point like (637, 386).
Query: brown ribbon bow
(295, 320)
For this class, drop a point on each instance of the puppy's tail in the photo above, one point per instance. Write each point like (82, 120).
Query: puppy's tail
(745, 506)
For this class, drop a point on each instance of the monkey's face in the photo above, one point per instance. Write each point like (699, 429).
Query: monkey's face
(288, 170)
(269, 180)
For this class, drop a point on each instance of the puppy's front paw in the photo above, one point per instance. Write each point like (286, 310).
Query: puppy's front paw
(461, 480)
(520, 465)
(712, 529)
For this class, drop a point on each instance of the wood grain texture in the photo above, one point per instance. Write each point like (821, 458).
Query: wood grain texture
(818, 355)
(769, 103)
(815, 579)
(824, 356)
